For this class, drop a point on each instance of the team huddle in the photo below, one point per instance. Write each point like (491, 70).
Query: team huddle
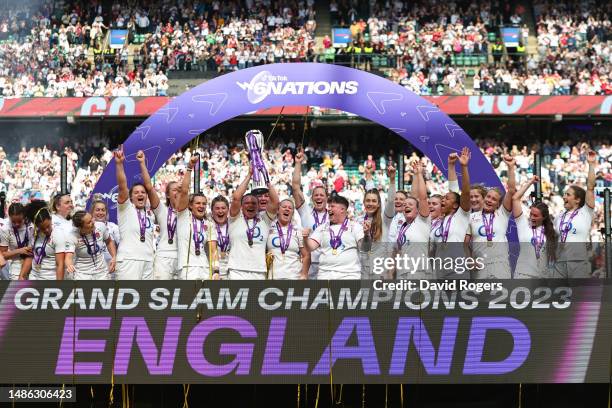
(258, 235)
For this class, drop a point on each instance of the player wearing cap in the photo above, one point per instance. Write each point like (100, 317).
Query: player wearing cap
(136, 226)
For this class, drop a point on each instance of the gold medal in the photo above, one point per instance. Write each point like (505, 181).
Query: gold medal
(334, 251)
(489, 243)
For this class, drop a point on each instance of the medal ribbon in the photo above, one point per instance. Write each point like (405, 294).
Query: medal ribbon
(284, 244)
(318, 222)
(538, 239)
(251, 230)
(565, 228)
(171, 223)
(488, 224)
(198, 233)
(20, 243)
(336, 240)
(40, 253)
(446, 228)
(92, 248)
(401, 236)
(222, 239)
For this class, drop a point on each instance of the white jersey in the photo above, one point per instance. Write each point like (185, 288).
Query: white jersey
(529, 263)
(129, 227)
(307, 217)
(87, 249)
(113, 233)
(44, 249)
(25, 235)
(396, 222)
(414, 238)
(165, 248)
(345, 259)
(497, 248)
(242, 256)
(575, 226)
(4, 271)
(453, 227)
(60, 222)
(435, 232)
(193, 240)
(289, 264)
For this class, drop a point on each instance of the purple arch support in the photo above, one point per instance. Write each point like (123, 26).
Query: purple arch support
(183, 118)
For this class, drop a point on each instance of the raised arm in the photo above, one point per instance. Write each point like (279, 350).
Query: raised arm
(389, 205)
(420, 189)
(517, 198)
(296, 179)
(123, 193)
(590, 193)
(453, 183)
(464, 159)
(511, 187)
(238, 193)
(146, 180)
(183, 197)
(272, 206)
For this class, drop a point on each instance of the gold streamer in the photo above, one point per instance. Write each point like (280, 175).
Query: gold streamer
(91, 392)
(363, 396)
(186, 395)
(340, 395)
(520, 395)
(317, 399)
(298, 396)
(329, 329)
(280, 115)
(401, 395)
(386, 395)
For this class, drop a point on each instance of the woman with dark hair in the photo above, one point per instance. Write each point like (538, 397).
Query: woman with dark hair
(165, 264)
(84, 242)
(49, 245)
(219, 208)
(339, 243)
(99, 212)
(61, 208)
(574, 227)
(534, 226)
(16, 238)
(288, 257)
(136, 225)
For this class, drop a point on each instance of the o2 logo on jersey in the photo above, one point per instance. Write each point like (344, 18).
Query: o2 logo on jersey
(438, 232)
(483, 232)
(149, 223)
(567, 227)
(257, 234)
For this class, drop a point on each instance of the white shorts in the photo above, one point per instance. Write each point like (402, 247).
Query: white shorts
(97, 275)
(236, 274)
(15, 269)
(134, 269)
(194, 273)
(42, 275)
(499, 269)
(572, 270)
(337, 275)
(165, 268)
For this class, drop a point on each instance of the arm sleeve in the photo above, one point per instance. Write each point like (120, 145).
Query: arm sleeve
(454, 186)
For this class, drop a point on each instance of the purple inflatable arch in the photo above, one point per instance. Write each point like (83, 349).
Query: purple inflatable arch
(183, 118)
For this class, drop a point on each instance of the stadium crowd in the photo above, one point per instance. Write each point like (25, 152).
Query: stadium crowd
(54, 48)
(34, 173)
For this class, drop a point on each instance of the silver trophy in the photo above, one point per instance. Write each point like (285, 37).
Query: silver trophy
(260, 179)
